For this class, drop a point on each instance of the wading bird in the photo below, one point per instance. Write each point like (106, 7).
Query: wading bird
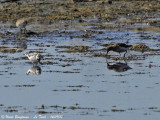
(35, 58)
(119, 48)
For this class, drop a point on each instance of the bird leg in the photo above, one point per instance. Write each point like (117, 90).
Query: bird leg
(107, 53)
(32, 64)
(25, 31)
(128, 52)
(125, 54)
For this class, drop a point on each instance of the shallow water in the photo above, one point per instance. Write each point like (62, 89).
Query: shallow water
(79, 85)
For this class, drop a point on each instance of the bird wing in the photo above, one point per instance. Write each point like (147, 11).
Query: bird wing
(123, 45)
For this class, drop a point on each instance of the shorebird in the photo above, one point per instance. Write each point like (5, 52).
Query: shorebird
(119, 47)
(35, 58)
(34, 70)
(22, 23)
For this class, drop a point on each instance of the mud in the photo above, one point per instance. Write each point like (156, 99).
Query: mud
(76, 78)
(123, 13)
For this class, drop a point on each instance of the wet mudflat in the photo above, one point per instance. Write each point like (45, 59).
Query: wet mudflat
(75, 82)
(76, 79)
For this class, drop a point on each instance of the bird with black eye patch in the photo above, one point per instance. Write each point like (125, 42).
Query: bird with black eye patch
(119, 48)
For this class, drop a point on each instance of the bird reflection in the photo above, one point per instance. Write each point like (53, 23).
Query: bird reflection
(34, 70)
(21, 45)
(118, 67)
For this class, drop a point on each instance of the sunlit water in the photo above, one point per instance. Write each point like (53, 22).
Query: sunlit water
(84, 83)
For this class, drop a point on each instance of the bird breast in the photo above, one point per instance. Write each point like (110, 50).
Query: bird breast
(33, 58)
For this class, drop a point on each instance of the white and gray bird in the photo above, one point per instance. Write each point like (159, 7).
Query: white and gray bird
(34, 70)
(21, 24)
(35, 58)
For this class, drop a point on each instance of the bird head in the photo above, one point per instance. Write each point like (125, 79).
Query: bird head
(28, 72)
(26, 54)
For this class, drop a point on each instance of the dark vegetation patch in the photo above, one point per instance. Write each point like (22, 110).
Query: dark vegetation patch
(118, 110)
(67, 90)
(77, 86)
(24, 85)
